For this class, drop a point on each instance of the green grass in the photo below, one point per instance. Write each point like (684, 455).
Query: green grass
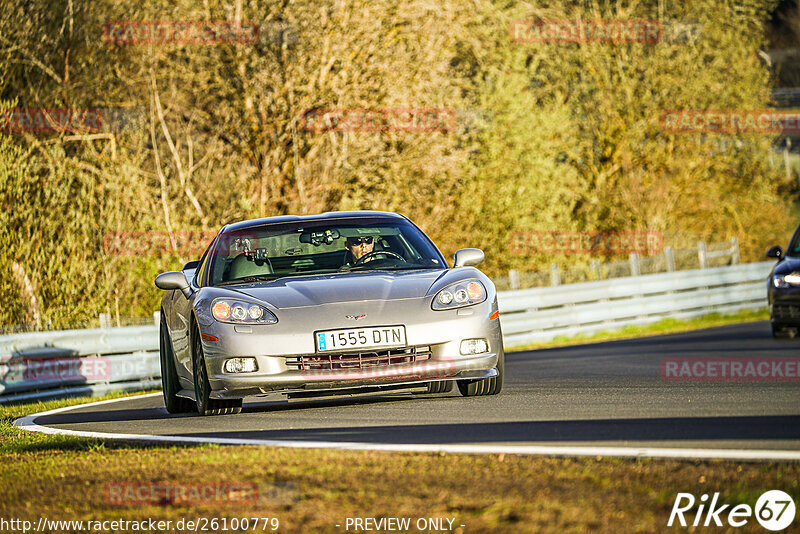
(312, 490)
(665, 326)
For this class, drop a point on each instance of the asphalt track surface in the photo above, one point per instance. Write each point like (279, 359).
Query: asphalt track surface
(597, 395)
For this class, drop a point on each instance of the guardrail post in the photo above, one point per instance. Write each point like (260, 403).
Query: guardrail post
(702, 255)
(735, 251)
(555, 275)
(157, 318)
(633, 259)
(787, 167)
(105, 320)
(513, 279)
(669, 258)
(594, 265)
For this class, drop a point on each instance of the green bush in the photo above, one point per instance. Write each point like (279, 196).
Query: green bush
(549, 136)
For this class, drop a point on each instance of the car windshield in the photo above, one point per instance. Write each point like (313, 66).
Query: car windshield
(794, 246)
(320, 246)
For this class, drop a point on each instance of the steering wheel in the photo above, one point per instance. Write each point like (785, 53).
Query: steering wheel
(370, 255)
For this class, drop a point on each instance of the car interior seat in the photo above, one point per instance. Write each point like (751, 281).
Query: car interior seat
(243, 266)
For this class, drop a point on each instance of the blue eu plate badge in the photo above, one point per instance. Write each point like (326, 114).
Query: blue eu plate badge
(321, 341)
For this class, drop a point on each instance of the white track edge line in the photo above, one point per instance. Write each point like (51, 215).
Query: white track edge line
(27, 423)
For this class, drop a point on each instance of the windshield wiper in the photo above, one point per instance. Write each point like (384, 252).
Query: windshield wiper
(270, 277)
(368, 267)
(412, 268)
(249, 279)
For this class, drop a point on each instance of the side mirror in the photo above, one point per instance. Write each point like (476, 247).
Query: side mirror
(775, 252)
(468, 256)
(174, 280)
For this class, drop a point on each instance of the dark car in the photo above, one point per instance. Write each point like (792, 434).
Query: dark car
(783, 288)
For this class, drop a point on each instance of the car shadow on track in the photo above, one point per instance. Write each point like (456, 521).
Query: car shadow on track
(159, 413)
(781, 427)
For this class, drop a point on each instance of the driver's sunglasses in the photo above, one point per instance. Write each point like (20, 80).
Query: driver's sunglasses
(353, 241)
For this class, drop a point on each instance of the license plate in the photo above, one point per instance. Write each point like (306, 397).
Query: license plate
(361, 338)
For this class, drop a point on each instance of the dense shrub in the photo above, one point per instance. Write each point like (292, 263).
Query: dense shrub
(546, 135)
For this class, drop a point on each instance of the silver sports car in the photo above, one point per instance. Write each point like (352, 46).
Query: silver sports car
(335, 303)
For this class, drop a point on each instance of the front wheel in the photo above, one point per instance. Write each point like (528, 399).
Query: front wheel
(485, 386)
(441, 386)
(202, 388)
(169, 376)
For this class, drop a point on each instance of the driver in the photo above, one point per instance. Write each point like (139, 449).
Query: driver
(358, 247)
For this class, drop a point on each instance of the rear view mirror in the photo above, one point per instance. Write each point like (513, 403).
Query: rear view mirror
(174, 280)
(775, 252)
(320, 237)
(468, 256)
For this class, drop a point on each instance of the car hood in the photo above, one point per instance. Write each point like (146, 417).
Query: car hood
(300, 291)
(787, 265)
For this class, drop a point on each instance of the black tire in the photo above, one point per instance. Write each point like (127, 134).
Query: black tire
(485, 386)
(442, 386)
(205, 405)
(780, 331)
(169, 376)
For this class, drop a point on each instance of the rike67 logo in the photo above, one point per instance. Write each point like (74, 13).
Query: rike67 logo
(774, 510)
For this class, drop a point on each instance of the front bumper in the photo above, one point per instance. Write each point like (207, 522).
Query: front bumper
(275, 346)
(243, 385)
(784, 307)
(786, 314)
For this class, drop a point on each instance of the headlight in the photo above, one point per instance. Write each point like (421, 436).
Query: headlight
(460, 294)
(227, 310)
(786, 280)
(793, 279)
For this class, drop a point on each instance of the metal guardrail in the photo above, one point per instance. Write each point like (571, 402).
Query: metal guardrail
(35, 366)
(91, 390)
(79, 342)
(541, 314)
(703, 256)
(40, 365)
